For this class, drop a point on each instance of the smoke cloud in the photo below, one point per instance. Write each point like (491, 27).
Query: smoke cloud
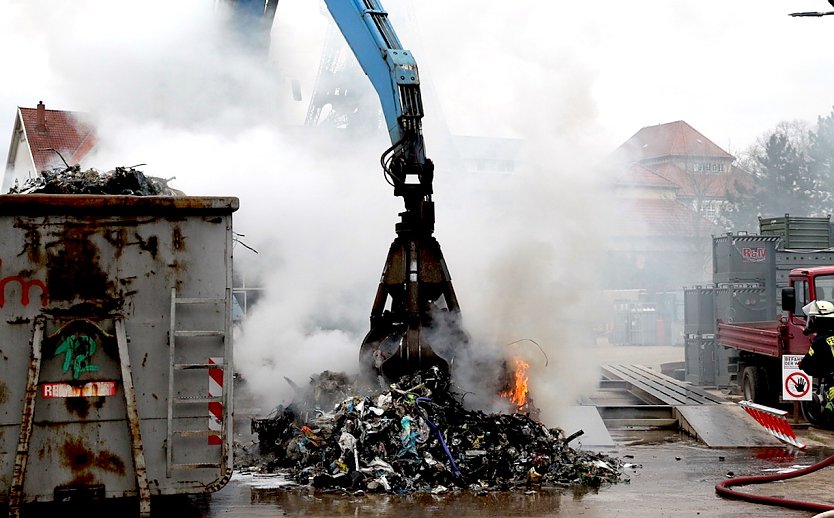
(177, 93)
(167, 84)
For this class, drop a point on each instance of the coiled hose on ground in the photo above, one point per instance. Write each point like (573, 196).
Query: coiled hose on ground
(722, 488)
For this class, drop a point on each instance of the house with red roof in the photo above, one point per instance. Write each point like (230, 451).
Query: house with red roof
(44, 139)
(672, 183)
(703, 172)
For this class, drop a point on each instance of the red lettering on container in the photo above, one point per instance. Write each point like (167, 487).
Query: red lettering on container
(754, 255)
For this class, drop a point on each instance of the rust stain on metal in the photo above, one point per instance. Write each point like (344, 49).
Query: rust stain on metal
(177, 238)
(4, 393)
(80, 459)
(31, 240)
(84, 479)
(74, 268)
(79, 406)
(150, 245)
(62, 204)
(110, 462)
(105, 308)
(117, 237)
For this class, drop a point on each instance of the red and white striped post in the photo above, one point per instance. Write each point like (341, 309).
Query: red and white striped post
(215, 408)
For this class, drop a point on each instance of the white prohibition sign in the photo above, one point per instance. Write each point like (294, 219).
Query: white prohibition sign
(797, 384)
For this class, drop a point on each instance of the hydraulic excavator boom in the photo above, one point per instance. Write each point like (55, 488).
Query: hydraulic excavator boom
(415, 318)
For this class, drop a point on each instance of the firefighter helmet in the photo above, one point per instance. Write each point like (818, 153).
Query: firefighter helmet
(819, 309)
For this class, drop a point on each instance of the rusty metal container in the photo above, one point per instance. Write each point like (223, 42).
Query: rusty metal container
(115, 346)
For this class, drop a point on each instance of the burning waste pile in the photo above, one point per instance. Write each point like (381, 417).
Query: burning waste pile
(72, 180)
(415, 436)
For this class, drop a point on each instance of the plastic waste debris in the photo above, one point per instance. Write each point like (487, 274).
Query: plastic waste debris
(340, 436)
(72, 180)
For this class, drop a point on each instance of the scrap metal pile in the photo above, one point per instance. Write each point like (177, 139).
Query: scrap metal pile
(417, 436)
(72, 180)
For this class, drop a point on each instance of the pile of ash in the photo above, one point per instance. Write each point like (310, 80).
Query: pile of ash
(72, 180)
(416, 436)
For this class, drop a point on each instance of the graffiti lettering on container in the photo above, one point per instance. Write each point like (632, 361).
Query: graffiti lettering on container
(754, 255)
(77, 350)
(25, 287)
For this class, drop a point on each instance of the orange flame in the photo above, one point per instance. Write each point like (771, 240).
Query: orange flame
(517, 389)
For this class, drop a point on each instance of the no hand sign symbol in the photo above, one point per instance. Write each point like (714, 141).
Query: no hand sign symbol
(796, 384)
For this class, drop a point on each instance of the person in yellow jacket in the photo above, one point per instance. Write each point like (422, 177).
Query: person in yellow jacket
(819, 360)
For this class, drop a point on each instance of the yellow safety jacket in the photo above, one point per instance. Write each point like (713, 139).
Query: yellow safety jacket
(819, 361)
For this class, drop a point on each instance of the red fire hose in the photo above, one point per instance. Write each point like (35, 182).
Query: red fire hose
(722, 488)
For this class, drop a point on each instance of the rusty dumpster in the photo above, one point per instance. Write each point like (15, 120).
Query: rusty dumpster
(115, 347)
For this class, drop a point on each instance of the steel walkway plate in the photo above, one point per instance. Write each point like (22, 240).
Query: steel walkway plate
(658, 387)
(706, 417)
(724, 426)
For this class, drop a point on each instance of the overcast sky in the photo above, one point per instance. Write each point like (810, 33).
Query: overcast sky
(731, 69)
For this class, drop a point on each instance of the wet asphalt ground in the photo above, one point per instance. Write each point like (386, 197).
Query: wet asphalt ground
(670, 475)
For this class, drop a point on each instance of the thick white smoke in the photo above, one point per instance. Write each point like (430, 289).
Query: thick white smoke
(167, 85)
(176, 93)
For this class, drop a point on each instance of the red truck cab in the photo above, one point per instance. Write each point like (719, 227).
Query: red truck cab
(806, 285)
(783, 334)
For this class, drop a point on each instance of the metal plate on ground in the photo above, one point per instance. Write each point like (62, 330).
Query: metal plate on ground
(657, 388)
(586, 418)
(724, 426)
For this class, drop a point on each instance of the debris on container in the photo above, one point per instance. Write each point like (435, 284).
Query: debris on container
(72, 180)
(414, 437)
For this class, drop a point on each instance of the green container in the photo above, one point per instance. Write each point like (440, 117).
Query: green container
(798, 233)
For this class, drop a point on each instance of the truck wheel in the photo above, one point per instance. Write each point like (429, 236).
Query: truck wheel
(813, 411)
(754, 385)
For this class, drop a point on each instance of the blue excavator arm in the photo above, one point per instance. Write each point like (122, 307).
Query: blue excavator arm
(393, 73)
(252, 20)
(415, 317)
(390, 68)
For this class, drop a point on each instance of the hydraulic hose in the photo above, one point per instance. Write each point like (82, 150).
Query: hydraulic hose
(722, 488)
